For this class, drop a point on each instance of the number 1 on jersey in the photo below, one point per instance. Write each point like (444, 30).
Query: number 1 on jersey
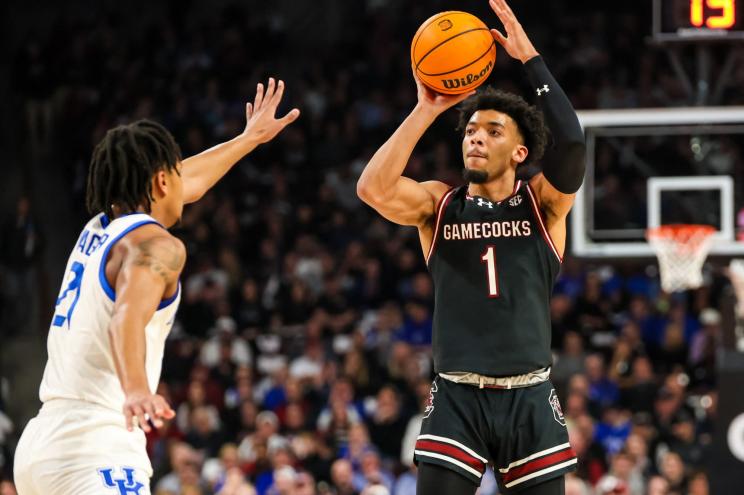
(489, 258)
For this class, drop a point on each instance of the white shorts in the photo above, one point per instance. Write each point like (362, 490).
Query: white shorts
(78, 448)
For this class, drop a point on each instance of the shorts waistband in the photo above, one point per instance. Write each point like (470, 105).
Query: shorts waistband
(54, 405)
(500, 382)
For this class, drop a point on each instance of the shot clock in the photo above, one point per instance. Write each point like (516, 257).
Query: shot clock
(692, 20)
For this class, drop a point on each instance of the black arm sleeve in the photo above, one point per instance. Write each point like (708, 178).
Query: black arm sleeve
(563, 163)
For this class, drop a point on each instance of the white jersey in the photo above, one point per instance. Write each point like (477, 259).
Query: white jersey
(81, 364)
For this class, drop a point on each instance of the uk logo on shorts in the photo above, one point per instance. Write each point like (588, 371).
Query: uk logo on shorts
(430, 403)
(556, 406)
(125, 485)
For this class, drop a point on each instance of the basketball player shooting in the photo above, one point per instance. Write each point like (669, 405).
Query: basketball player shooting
(494, 248)
(117, 305)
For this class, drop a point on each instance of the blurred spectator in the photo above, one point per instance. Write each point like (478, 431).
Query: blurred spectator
(602, 391)
(185, 470)
(342, 476)
(21, 244)
(641, 387)
(570, 361)
(224, 346)
(576, 486)
(673, 471)
(657, 485)
(387, 424)
(263, 440)
(622, 478)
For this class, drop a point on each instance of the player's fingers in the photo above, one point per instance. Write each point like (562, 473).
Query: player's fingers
(504, 12)
(163, 409)
(508, 10)
(498, 36)
(169, 413)
(290, 117)
(141, 420)
(497, 9)
(503, 6)
(248, 111)
(151, 411)
(270, 88)
(277, 97)
(128, 419)
(259, 97)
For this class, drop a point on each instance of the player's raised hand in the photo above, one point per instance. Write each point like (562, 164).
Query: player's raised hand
(516, 43)
(436, 102)
(262, 124)
(141, 406)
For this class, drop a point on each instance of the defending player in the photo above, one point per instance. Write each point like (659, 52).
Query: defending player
(494, 249)
(117, 305)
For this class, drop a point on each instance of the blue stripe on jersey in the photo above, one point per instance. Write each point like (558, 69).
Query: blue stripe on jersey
(166, 302)
(102, 269)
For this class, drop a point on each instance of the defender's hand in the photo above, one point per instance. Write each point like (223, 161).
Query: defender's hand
(434, 102)
(139, 404)
(516, 43)
(262, 125)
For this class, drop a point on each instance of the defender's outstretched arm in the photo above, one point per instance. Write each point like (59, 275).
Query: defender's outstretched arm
(202, 171)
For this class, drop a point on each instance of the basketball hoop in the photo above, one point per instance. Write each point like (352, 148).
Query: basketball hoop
(681, 250)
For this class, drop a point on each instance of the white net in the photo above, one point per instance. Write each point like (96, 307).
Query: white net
(681, 250)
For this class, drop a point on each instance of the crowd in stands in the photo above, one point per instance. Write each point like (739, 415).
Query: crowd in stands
(300, 361)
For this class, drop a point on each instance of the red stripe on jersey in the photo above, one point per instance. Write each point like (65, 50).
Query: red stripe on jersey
(452, 451)
(537, 464)
(440, 210)
(543, 229)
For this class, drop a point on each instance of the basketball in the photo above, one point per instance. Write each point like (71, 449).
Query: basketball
(453, 52)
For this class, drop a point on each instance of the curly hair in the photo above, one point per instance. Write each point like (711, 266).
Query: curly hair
(529, 119)
(123, 164)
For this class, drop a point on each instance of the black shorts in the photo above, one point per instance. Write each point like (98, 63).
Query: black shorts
(521, 432)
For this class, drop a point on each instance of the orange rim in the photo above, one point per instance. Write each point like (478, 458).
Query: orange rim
(680, 232)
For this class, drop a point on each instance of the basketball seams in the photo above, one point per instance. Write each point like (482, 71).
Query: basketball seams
(426, 24)
(445, 41)
(459, 68)
(458, 42)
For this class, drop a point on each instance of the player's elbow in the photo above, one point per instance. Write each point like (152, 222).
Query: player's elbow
(192, 198)
(194, 190)
(367, 193)
(564, 168)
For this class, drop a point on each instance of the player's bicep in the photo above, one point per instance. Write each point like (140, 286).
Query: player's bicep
(409, 202)
(149, 271)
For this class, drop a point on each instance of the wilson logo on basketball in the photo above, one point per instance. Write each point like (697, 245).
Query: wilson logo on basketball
(468, 79)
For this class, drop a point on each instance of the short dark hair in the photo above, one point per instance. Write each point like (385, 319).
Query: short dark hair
(123, 164)
(529, 119)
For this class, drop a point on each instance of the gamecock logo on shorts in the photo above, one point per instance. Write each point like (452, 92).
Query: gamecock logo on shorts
(430, 403)
(555, 404)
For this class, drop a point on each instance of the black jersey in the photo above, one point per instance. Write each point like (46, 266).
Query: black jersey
(494, 266)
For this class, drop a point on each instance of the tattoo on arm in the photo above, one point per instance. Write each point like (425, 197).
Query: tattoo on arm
(163, 256)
